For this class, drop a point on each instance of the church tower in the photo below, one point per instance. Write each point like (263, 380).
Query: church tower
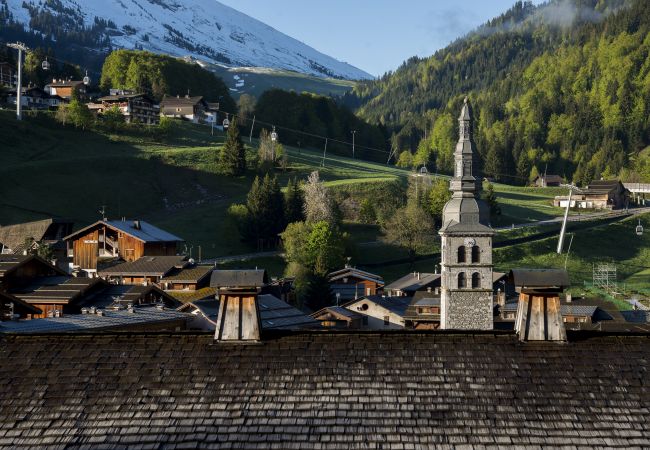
(466, 299)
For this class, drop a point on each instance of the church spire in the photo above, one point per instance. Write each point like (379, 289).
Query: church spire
(464, 182)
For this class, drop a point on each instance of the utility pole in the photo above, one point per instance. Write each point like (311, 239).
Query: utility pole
(250, 138)
(21, 48)
(560, 242)
(354, 132)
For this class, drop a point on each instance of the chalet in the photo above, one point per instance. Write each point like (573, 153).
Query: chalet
(605, 194)
(235, 279)
(351, 283)
(31, 98)
(548, 181)
(136, 108)
(187, 278)
(56, 296)
(188, 108)
(384, 313)
(424, 312)
(340, 317)
(12, 308)
(146, 270)
(119, 296)
(413, 282)
(19, 270)
(66, 88)
(6, 74)
(571, 314)
(129, 240)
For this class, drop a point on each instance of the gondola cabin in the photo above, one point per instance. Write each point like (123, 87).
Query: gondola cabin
(128, 240)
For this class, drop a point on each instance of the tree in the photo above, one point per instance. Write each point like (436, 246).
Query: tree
(246, 105)
(270, 152)
(113, 118)
(265, 205)
(294, 202)
(318, 204)
(491, 199)
(318, 293)
(439, 195)
(75, 113)
(411, 228)
(367, 213)
(318, 247)
(405, 160)
(232, 160)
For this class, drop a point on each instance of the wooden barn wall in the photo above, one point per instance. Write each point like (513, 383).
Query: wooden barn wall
(130, 248)
(86, 250)
(160, 249)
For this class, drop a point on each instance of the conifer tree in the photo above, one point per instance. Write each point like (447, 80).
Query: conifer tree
(265, 205)
(232, 160)
(294, 202)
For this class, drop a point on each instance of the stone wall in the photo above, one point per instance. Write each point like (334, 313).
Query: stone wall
(466, 310)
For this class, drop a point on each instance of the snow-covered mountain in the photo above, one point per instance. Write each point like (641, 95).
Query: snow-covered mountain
(203, 29)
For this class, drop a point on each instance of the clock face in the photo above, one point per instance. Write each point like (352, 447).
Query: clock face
(469, 242)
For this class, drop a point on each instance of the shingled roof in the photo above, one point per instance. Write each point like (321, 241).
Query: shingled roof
(139, 229)
(324, 391)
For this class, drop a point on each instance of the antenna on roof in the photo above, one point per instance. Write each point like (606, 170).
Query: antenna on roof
(102, 211)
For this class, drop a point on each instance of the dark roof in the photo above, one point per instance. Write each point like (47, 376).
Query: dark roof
(20, 306)
(324, 391)
(338, 311)
(120, 295)
(192, 274)
(274, 313)
(122, 97)
(61, 289)
(566, 309)
(604, 185)
(65, 83)
(170, 101)
(354, 272)
(410, 282)
(188, 296)
(551, 178)
(146, 266)
(246, 278)
(109, 320)
(9, 263)
(539, 279)
(145, 233)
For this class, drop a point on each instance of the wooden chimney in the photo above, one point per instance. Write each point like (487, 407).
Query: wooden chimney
(238, 319)
(539, 316)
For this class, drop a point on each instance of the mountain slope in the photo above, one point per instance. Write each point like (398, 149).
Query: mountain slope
(562, 87)
(204, 29)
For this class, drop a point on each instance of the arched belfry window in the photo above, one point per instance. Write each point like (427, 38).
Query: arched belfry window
(476, 254)
(462, 280)
(476, 280)
(461, 254)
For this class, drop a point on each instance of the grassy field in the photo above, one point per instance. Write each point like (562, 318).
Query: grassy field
(255, 81)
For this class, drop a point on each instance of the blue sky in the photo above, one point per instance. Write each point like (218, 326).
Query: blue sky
(374, 35)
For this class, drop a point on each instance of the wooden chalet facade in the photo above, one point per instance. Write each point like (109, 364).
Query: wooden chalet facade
(12, 307)
(351, 283)
(604, 194)
(6, 74)
(189, 108)
(340, 317)
(188, 278)
(548, 181)
(66, 88)
(129, 240)
(145, 270)
(136, 108)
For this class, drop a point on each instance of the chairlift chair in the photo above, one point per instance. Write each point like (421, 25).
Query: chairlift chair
(86, 79)
(45, 65)
(639, 229)
(274, 135)
(226, 123)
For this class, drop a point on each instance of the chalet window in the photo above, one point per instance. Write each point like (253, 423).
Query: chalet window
(476, 254)
(461, 254)
(476, 280)
(462, 280)
(386, 320)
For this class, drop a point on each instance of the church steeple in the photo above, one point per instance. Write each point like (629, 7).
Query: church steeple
(464, 180)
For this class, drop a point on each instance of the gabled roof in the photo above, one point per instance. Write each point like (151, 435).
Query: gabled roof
(139, 229)
(59, 290)
(65, 83)
(120, 295)
(169, 101)
(245, 278)
(20, 306)
(123, 97)
(337, 311)
(397, 305)
(156, 266)
(15, 235)
(413, 282)
(9, 263)
(192, 274)
(550, 178)
(356, 273)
